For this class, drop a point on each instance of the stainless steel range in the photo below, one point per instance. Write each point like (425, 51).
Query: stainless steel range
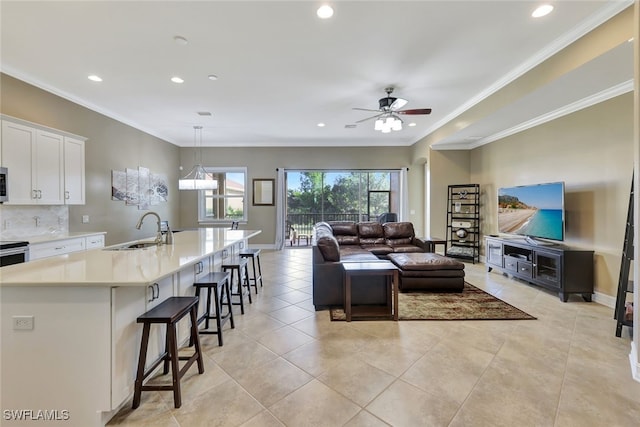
(13, 252)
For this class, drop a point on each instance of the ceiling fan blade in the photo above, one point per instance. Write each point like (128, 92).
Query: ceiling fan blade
(415, 111)
(364, 109)
(398, 103)
(372, 117)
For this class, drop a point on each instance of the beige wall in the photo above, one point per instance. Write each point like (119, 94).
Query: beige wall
(110, 145)
(592, 152)
(114, 145)
(262, 163)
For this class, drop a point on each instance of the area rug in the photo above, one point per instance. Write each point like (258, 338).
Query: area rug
(470, 304)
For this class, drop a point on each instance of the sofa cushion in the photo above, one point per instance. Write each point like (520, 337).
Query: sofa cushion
(327, 244)
(379, 249)
(371, 233)
(398, 248)
(398, 233)
(351, 253)
(346, 232)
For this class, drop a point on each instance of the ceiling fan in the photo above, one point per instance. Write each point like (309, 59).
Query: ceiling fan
(389, 111)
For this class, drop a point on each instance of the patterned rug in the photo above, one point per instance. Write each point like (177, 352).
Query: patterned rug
(470, 304)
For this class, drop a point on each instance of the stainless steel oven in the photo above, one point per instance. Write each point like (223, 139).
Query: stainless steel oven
(13, 252)
(4, 193)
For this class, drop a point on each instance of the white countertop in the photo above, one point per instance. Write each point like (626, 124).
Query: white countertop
(139, 267)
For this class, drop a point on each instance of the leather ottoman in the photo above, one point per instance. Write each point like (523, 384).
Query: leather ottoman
(428, 271)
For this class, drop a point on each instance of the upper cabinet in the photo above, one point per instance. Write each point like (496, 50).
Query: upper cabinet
(73, 171)
(45, 166)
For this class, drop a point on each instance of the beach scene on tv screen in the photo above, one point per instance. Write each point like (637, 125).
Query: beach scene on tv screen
(532, 210)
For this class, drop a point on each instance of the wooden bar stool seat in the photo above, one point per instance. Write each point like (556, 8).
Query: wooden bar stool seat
(168, 312)
(238, 265)
(218, 284)
(254, 254)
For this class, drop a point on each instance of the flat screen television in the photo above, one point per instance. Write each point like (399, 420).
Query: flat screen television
(532, 211)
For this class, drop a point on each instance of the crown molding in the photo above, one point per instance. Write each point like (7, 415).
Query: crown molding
(553, 48)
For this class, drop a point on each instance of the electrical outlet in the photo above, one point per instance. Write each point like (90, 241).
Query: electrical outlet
(22, 323)
(85, 219)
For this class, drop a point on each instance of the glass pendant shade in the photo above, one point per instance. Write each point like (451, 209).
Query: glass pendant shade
(197, 179)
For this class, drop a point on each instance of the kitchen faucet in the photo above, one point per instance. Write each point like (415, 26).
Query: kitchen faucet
(159, 235)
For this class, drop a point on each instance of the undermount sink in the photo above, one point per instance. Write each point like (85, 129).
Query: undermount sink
(132, 246)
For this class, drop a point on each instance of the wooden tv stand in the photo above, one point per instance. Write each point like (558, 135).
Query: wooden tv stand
(554, 267)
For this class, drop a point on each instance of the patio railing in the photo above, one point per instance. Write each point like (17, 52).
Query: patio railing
(303, 223)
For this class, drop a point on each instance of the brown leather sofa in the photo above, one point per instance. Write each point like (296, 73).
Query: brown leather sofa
(348, 241)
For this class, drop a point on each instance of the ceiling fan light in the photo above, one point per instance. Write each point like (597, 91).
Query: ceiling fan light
(397, 125)
(378, 124)
(389, 121)
(386, 129)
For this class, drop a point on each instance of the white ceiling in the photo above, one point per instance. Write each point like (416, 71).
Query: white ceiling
(282, 70)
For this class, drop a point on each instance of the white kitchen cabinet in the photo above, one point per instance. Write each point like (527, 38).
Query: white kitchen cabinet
(92, 242)
(46, 166)
(185, 280)
(17, 145)
(73, 171)
(61, 246)
(56, 247)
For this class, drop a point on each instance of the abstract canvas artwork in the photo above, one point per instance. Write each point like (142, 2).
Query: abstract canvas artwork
(139, 187)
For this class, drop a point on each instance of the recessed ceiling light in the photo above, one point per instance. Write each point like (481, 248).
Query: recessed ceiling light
(541, 11)
(94, 78)
(412, 124)
(177, 79)
(321, 125)
(212, 77)
(325, 11)
(180, 40)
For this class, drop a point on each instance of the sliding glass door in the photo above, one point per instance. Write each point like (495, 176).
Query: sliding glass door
(326, 195)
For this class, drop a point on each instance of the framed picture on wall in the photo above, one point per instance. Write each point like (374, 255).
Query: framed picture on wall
(263, 189)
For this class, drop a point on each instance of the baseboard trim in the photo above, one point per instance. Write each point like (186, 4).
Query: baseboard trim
(604, 299)
(634, 362)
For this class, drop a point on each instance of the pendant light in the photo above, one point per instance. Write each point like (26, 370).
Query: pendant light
(198, 178)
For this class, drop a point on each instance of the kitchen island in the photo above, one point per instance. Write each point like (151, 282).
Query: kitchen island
(70, 340)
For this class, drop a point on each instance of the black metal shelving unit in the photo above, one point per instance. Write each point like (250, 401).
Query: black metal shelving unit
(463, 222)
(625, 286)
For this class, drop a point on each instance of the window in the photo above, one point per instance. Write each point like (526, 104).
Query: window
(325, 195)
(228, 202)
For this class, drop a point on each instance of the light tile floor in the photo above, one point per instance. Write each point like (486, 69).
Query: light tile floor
(285, 364)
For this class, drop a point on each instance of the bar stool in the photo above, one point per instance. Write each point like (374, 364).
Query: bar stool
(254, 254)
(169, 312)
(218, 284)
(238, 264)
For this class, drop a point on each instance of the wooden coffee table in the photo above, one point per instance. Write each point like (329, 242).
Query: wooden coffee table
(373, 268)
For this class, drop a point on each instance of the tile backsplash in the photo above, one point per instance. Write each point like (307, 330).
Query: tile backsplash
(22, 221)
